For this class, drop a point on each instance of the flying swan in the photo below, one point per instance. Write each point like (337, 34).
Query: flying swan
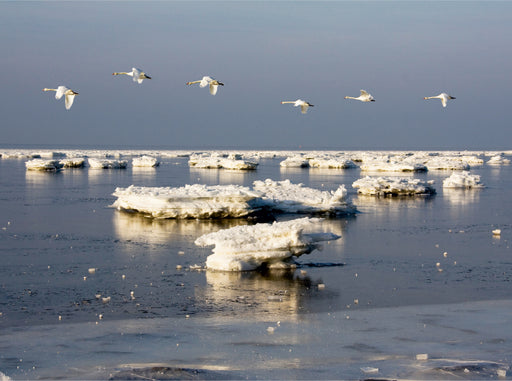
(299, 102)
(137, 74)
(364, 97)
(68, 93)
(443, 96)
(208, 81)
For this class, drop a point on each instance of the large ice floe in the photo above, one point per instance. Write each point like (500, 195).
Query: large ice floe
(43, 165)
(232, 201)
(233, 161)
(249, 247)
(463, 180)
(395, 186)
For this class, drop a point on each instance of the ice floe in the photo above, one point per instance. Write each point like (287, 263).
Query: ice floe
(285, 197)
(382, 186)
(232, 201)
(43, 165)
(189, 201)
(295, 162)
(233, 161)
(145, 161)
(463, 180)
(498, 160)
(107, 163)
(249, 247)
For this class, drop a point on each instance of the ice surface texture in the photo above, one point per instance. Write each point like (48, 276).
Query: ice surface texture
(462, 180)
(248, 247)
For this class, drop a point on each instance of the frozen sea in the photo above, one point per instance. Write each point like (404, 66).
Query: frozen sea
(417, 287)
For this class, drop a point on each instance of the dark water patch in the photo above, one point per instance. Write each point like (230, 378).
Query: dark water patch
(169, 373)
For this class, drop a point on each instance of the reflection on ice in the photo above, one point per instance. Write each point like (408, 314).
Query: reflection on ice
(245, 248)
(458, 196)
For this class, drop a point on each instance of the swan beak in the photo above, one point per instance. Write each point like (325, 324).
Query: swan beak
(373, 100)
(148, 77)
(311, 105)
(453, 98)
(220, 83)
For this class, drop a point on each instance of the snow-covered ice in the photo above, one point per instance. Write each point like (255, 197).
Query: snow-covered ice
(381, 186)
(189, 201)
(498, 160)
(285, 197)
(107, 163)
(338, 163)
(248, 247)
(145, 161)
(463, 180)
(73, 162)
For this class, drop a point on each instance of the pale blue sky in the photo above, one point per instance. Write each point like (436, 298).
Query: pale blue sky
(264, 52)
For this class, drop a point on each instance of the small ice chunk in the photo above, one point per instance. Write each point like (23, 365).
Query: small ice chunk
(248, 247)
(369, 369)
(107, 163)
(73, 162)
(422, 356)
(295, 162)
(233, 161)
(463, 180)
(496, 232)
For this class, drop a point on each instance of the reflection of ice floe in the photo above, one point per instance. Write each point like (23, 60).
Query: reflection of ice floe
(145, 161)
(232, 201)
(295, 198)
(43, 165)
(137, 228)
(381, 186)
(190, 201)
(233, 161)
(107, 163)
(245, 248)
(461, 196)
(463, 180)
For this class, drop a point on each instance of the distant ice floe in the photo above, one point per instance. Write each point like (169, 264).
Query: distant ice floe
(396, 186)
(498, 160)
(464, 180)
(392, 164)
(232, 201)
(285, 197)
(336, 163)
(233, 161)
(249, 247)
(73, 162)
(107, 163)
(145, 161)
(295, 162)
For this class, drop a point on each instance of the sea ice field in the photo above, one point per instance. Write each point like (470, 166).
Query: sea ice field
(197, 264)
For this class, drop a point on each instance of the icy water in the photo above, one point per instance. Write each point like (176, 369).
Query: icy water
(410, 276)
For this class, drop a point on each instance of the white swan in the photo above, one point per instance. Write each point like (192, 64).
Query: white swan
(137, 74)
(299, 102)
(208, 81)
(443, 96)
(63, 90)
(364, 97)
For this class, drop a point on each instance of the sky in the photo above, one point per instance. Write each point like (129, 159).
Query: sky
(264, 52)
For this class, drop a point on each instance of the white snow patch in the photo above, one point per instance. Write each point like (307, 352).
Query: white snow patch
(381, 186)
(248, 247)
(463, 180)
(498, 160)
(286, 197)
(145, 161)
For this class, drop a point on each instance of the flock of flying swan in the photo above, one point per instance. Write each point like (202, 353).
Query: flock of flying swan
(138, 76)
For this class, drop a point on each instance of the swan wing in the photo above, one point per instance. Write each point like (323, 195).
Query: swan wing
(213, 89)
(135, 74)
(304, 108)
(60, 92)
(205, 81)
(443, 101)
(70, 98)
(364, 93)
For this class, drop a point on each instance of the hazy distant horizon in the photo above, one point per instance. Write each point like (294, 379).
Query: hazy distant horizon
(264, 52)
